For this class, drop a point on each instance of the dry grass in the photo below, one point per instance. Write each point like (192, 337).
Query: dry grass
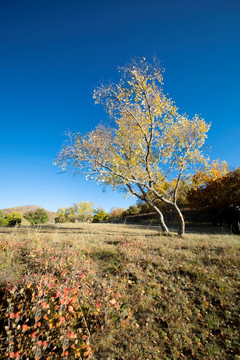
(102, 291)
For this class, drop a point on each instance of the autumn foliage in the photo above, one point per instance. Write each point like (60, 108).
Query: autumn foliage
(145, 143)
(216, 191)
(44, 318)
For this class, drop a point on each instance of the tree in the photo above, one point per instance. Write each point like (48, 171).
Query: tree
(100, 215)
(39, 216)
(143, 207)
(62, 215)
(12, 219)
(132, 210)
(216, 192)
(145, 143)
(66, 215)
(81, 211)
(211, 172)
(116, 213)
(84, 211)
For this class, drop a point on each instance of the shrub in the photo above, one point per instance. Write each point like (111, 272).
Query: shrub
(12, 219)
(39, 216)
(44, 319)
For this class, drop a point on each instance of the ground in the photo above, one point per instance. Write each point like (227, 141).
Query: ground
(105, 291)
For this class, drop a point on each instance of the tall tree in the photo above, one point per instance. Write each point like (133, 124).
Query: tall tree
(145, 143)
(84, 211)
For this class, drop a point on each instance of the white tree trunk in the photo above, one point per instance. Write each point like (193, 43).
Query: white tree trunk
(181, 229)
(161, 218)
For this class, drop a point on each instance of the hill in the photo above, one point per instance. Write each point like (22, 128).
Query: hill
(26, 208)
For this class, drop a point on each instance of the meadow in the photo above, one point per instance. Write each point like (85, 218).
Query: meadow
(118, 292)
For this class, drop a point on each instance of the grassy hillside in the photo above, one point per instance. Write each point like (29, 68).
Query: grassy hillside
(102, 291)
(21, 209)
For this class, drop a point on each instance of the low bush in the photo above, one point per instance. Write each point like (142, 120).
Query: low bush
(39, 216)
(44, 319)
(12, 219)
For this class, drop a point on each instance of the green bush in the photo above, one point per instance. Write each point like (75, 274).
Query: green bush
(39, 216)
(12, 219)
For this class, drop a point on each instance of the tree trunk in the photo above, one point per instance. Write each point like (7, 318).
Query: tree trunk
(161, 218)
(181, 229)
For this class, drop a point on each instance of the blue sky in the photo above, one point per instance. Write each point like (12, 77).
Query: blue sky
(54, 53)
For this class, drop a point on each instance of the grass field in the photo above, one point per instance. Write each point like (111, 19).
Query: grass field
(104, 291)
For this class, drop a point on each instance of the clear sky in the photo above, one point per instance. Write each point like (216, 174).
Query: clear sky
(53, 53)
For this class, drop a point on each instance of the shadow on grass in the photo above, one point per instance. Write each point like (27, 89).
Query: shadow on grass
(190, 229)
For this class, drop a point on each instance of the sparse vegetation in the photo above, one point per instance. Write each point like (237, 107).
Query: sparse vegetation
(103, 291)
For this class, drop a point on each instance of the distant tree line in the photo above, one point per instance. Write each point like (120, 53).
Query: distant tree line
(82, 211)
(214, 191)
(39, 216)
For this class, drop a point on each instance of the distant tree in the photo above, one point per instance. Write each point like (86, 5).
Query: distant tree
(144, 207)
(81, 211)
(147, 143)
(66, 215)
(132, 210)
(84, 211)
(39, 216)
(61, 215)
(12, 219)
(216, 193)
(70, 213)
(100, 215)
(116, 213)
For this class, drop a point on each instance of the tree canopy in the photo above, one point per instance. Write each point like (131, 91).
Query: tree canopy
(39, 216)
(81, 211)
(145, 142)
(216, 191)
